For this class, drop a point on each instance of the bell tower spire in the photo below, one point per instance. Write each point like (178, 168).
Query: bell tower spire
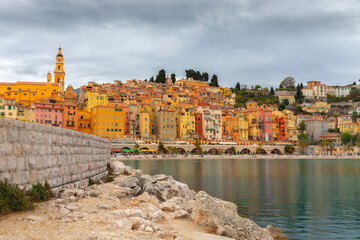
(59, 73)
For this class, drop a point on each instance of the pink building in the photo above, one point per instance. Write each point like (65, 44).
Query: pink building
(266, 131)
(48, 113)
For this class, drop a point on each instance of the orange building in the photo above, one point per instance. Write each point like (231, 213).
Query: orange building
(70, 117)
(84, 121)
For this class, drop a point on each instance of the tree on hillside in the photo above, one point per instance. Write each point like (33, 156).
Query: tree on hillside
(237, 87)
(152, 79)
(161, 77)
(272, 92)
(288, 82)
(257, 87)
(173, 77)
(354, 116)
(299, 97)
(354, 94)
(302, 127)
(205, 76)
(301, 86)
(214, 81)
(345, 137)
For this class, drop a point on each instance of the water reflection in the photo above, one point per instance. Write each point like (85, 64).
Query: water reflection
(307, 199)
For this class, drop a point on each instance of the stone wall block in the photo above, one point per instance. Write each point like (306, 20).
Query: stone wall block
(19, 124)
(3, 164)
(21, 163)
(6, 175)
(33, 177)
(7, 123)
(25, 177)
(16, 178)
(17, 149)
(26, 149)
(11, 163)
(3, 134)
(6, 148)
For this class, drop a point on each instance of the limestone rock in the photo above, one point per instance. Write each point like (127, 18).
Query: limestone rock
(181, 214)
(117, 167)
(172, 204)
(129, 213)
(216, 214)
(276, 233)
(156, 216)
(103, 206)
(35, 218)
(206, 236)
(124, 224)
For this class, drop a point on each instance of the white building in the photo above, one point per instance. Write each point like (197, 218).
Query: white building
(342, 91)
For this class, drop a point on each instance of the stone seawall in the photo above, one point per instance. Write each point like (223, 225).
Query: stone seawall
(32, 153)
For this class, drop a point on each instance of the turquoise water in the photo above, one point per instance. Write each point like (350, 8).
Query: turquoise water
(307, 199)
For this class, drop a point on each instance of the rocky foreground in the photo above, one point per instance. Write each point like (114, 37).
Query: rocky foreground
(134, 206)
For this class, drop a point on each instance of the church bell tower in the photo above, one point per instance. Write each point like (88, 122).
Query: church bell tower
(59, 73)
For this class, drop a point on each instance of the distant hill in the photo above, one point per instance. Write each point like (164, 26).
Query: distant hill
(77, 90)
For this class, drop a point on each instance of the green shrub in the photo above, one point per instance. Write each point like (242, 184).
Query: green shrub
(110, 171)
(13, 199)
(40, 193)
(109, 179)
(91, 182)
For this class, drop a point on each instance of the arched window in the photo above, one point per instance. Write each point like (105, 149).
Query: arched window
(59, 67)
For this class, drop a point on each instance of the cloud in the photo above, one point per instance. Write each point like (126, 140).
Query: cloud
(252, 42)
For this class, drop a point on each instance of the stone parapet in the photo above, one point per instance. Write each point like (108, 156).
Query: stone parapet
(32, 153)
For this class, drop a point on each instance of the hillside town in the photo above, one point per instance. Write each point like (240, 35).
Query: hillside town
(189, 110)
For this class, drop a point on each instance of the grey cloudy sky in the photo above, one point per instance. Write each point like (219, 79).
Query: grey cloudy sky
(246, 41)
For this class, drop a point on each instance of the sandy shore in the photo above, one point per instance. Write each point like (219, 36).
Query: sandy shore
(196, 157)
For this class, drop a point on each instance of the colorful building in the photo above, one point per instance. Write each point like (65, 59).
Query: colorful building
(108, 121)
(289, 97)
(49, 113)
(95, 99)
(71, 117)
(84, 121)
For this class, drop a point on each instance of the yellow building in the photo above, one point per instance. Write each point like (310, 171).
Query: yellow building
(2, 107)
(95, 99)
(108, 122)
(349, 127)
(149, 113)
(283, 97)
(27, 92)
(253, 132)
(243, 129)
(342, 119)
(84, 121)
(59, 73)
(185, 124)
(10, 109)
(30, 114)
(290, 123)
(144, 124)
(226, 91)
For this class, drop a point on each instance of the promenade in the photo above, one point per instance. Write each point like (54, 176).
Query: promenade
(207, 157)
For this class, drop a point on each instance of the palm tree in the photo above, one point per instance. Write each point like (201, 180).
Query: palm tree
(349, 148)
(198, 146)
(331, 149)
(161, 148)
(136, 148)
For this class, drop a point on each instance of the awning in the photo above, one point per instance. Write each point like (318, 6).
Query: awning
(148, 150)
